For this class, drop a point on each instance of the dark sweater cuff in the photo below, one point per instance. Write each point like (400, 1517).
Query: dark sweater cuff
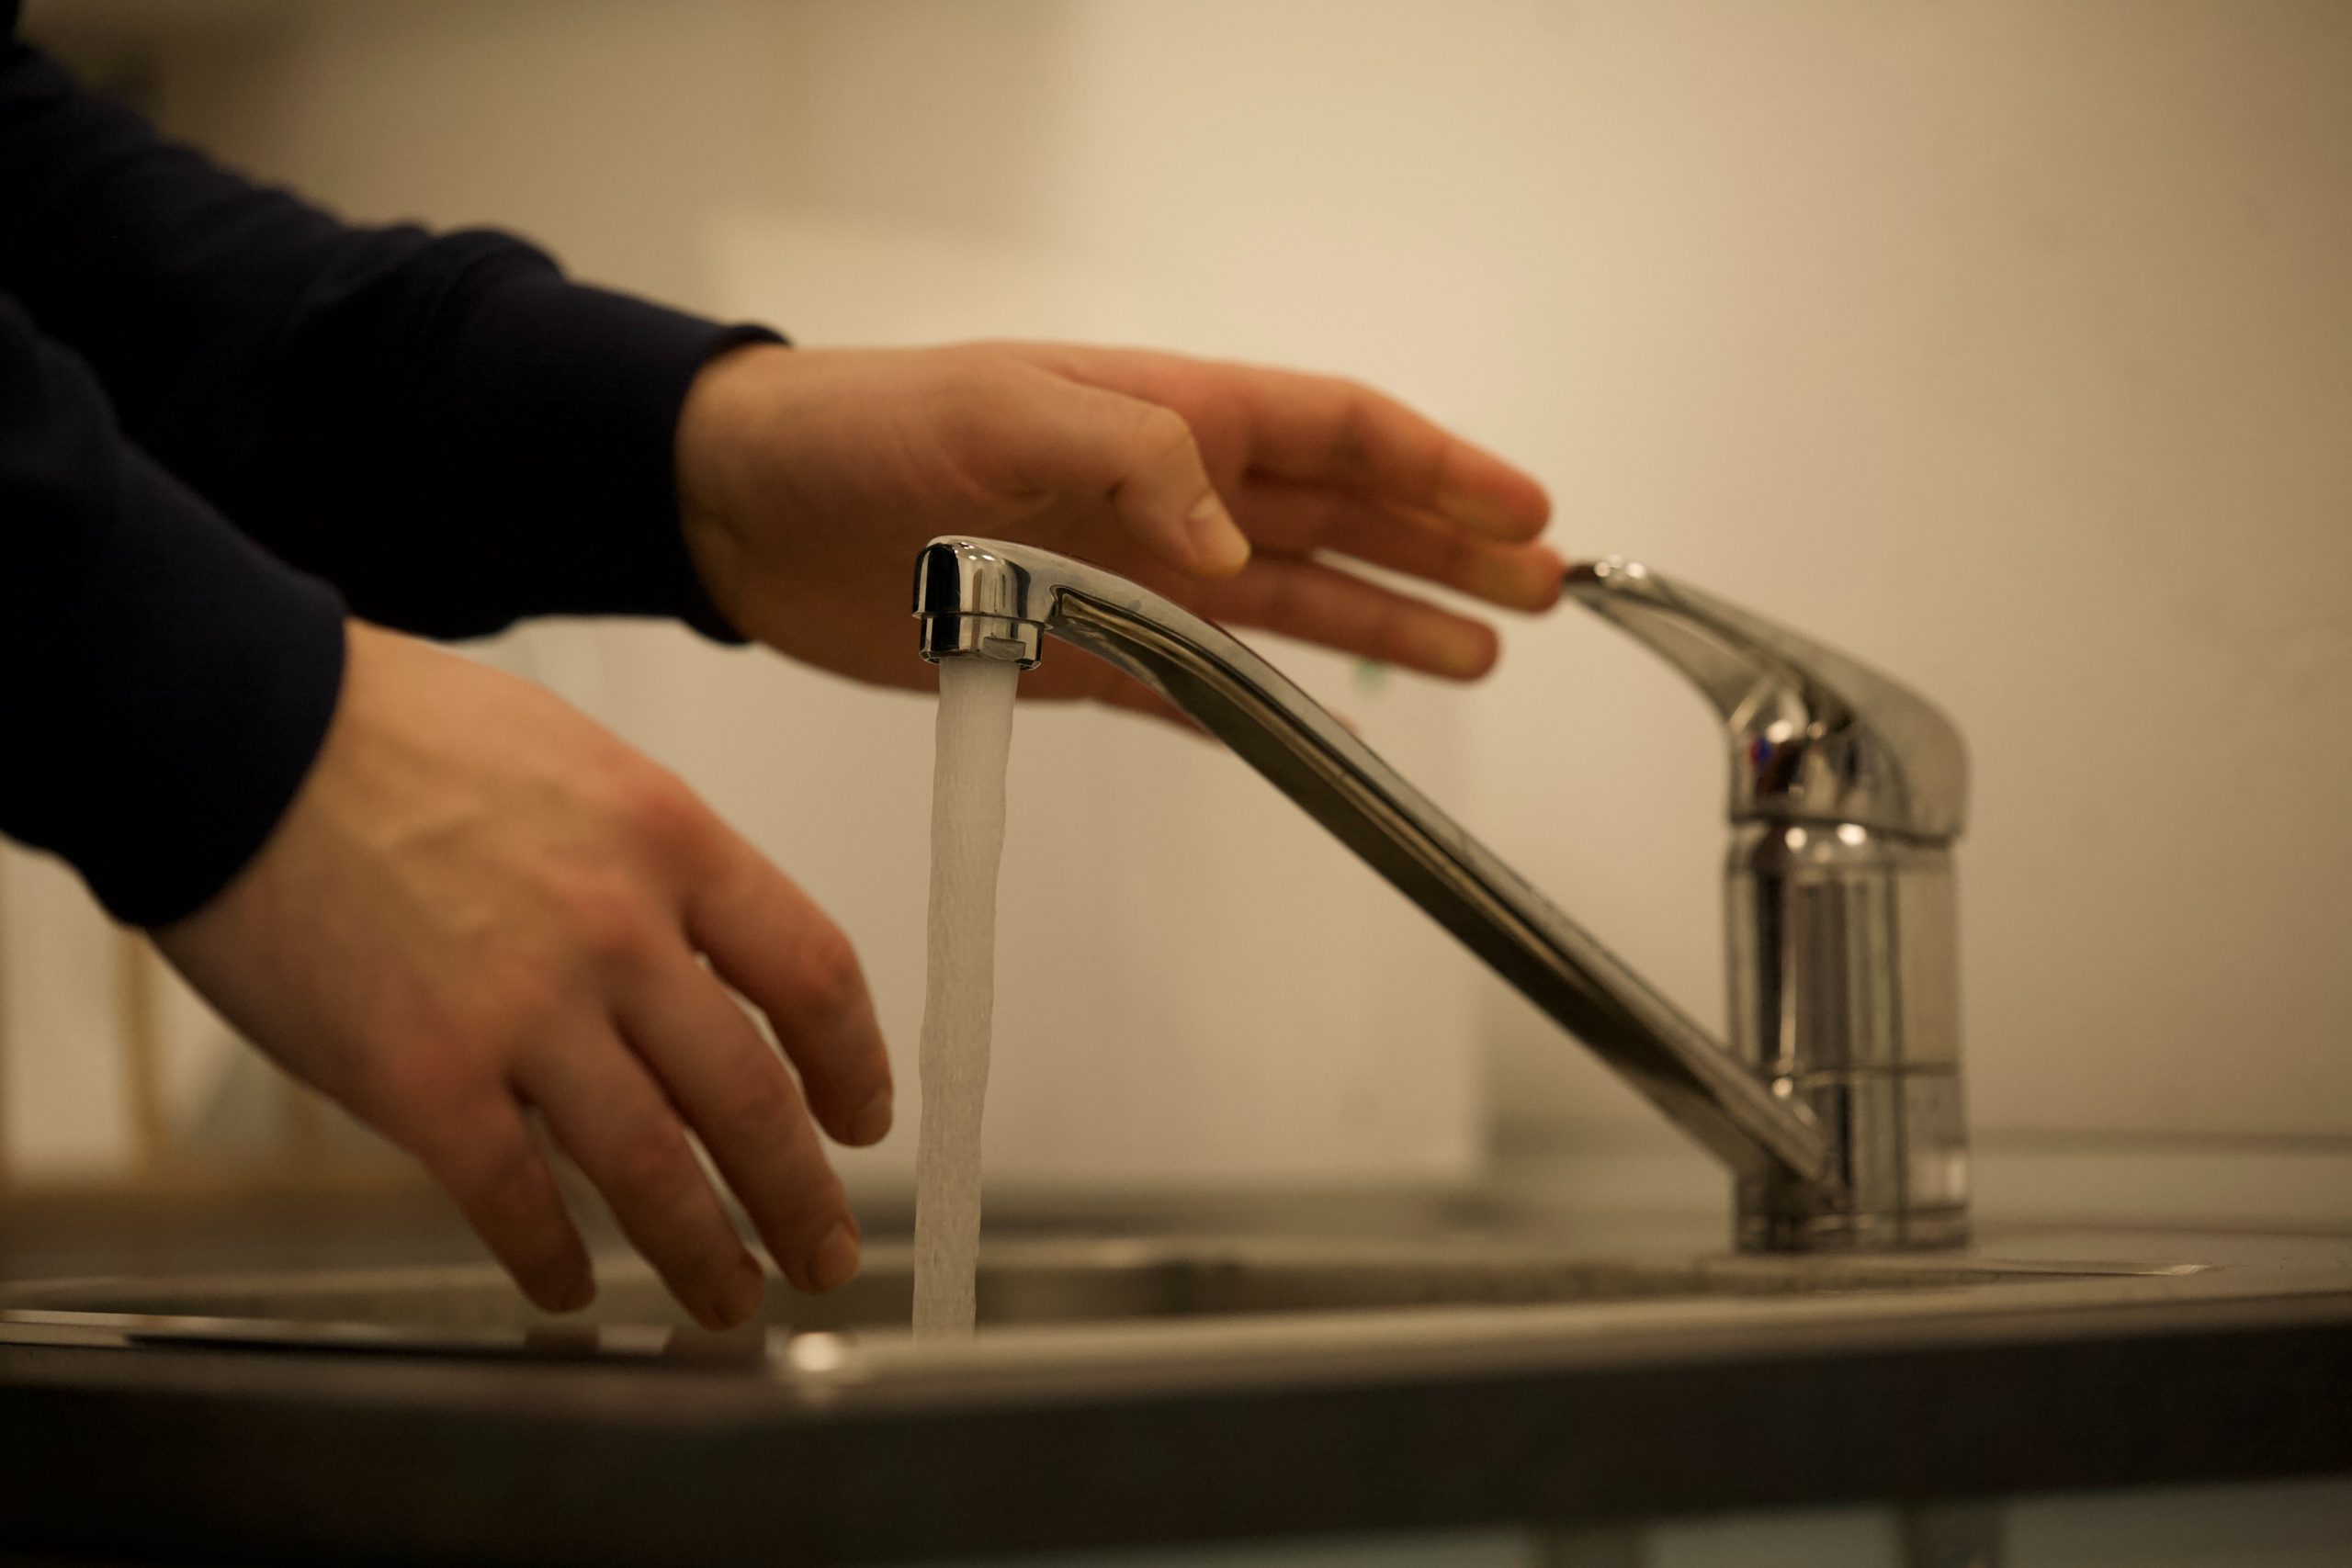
(192, 684)
(580, 388)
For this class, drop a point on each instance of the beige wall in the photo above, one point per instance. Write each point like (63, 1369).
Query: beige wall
(2008, 344)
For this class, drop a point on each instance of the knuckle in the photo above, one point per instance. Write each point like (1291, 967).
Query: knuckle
(829, 981)
(825, 1199)
(608, 923)
(405, 1087)
(1329, 515)
(660, 811)
(972, 389)
(520, 1002)
(508, 1182)
(763, 1104)
(1351, 432)
(720, 1255)
(979, 409)
(971, 372)
(1159, 434)
(651, 1161)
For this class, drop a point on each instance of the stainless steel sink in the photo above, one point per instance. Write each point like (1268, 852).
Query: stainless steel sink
(1129, 1386)
(1022, 1281)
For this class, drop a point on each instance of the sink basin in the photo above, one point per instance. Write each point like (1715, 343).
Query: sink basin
(1131, 1386)
(1022, 1281)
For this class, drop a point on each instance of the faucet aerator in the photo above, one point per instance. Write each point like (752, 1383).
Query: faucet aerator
(973, 603)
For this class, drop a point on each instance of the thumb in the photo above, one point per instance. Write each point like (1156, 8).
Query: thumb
(1142, 456)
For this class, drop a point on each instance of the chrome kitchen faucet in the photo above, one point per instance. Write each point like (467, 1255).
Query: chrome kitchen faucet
(1838, 1104)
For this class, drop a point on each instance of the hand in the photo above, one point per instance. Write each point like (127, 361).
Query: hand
(479, 902)
(808, 478)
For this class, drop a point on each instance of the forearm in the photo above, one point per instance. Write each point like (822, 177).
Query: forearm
(463, 443)
(167, 682)
(439, 423)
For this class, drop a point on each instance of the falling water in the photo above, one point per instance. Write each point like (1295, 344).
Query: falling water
(966, 842)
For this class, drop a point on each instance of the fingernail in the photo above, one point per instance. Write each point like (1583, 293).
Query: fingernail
(743, 1295)
(873, 1119)
(835, 1261)
(1216, 538)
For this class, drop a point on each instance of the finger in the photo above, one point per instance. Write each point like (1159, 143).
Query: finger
(1318, 428)
(481, 1153)
(1322, 604)
(1302, 517)
(605, 1109)
(771, 941)
(1142, 457)
(737, 1096)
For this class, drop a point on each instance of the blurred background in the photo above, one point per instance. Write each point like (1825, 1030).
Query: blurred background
(2006, 344)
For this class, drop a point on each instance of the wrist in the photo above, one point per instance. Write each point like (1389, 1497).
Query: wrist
(718, 431)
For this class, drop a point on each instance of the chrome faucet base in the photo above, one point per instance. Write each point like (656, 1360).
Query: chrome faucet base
(1844, 993)
(1842, 929)
(1762, 1222)
(1837, 1106)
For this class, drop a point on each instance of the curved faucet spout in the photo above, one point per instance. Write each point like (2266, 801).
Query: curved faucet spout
(981, 598)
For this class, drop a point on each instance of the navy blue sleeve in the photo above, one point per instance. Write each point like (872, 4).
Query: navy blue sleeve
(223, 413)
(440, 424)
(164, 682)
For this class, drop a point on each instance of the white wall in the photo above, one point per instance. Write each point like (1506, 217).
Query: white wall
(2006, 344)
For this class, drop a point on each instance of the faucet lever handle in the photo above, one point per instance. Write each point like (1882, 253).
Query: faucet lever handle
(1816, 736)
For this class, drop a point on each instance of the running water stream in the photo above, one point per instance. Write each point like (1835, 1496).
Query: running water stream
(967, 843)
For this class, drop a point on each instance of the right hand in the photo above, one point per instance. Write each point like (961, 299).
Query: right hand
(479, 902)
(808, 478)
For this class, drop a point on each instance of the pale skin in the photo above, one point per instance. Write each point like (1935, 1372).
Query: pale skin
(481, 905)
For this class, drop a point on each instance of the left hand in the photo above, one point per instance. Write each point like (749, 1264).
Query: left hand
(808, 478)
(480, 903)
